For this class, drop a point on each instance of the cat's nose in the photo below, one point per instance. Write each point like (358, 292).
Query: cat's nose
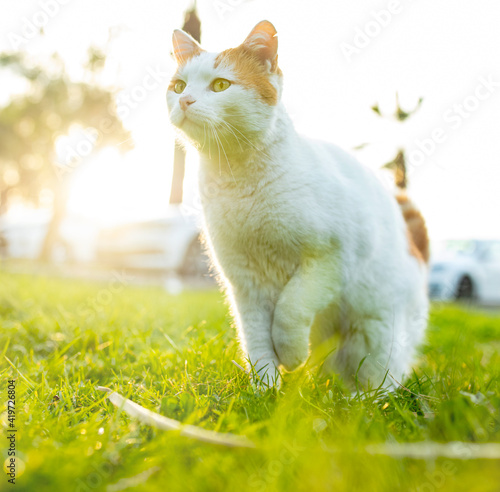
(186, 101)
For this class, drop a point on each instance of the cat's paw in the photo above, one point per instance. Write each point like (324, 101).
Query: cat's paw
(292, 351)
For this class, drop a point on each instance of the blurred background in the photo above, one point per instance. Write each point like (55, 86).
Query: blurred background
(92, 181)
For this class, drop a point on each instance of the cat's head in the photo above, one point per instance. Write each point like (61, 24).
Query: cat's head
(227, 98)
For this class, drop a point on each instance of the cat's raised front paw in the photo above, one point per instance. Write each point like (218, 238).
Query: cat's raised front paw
(292, 351)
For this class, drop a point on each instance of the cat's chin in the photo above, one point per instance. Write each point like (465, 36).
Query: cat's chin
(190, 134)
(189, 128)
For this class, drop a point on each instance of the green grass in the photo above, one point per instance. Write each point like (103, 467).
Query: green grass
(173, 354)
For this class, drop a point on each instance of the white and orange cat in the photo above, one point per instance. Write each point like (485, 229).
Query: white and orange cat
(307, 241)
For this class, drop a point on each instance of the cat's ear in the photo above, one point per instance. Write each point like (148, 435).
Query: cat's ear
(185, 47)
(264, 40)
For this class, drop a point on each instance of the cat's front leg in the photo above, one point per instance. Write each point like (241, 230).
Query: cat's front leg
(314, 286)
(253, 312)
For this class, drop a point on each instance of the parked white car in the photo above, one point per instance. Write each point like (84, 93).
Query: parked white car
(168, 244)
(22, 237)
(468, 269)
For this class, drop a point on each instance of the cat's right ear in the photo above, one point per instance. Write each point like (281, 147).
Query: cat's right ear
(185, 47)
(264, 40)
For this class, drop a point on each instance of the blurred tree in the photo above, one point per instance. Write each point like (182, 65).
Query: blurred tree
(50, 106)
(399, 114)
(192, 25)
(398, 167)
(398, 164)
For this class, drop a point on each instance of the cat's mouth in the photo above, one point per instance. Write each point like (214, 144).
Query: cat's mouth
(188, 120)
(191, 128)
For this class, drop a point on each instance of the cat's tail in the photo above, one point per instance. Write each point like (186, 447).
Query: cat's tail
(417, 230)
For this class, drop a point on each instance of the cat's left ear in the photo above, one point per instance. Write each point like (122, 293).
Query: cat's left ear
(185, 47)
(264, 40)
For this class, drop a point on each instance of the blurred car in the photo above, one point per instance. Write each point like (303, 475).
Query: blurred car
(169, 244)
(22, 236)
(467, 269)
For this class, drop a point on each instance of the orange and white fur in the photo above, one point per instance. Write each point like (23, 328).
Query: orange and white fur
(308, 243)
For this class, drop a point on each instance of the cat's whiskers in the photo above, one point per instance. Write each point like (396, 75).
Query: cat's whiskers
(232, 127)
(205, 140)
(234, 134)
(212, 128)
(223, 150)
(248, 141)
(221, 145)
(202, 147)
(209, 148)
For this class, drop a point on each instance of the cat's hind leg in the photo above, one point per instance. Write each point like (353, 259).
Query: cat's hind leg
(376, 352)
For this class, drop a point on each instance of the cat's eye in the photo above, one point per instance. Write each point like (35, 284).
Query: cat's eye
(219, 85)
(179, 86)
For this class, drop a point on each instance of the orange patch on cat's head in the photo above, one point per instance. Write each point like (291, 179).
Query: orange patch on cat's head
(255, 61)
(251, 71)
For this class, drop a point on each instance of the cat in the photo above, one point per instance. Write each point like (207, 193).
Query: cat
(308, 243)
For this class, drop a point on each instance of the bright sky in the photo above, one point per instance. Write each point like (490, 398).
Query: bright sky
(447, 52)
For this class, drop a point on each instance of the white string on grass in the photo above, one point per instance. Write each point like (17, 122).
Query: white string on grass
(164, 423)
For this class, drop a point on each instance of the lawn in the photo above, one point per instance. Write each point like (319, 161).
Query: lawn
(173, 354)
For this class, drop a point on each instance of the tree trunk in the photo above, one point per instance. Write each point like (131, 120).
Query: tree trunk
(401, 179)
(178, 174)
(59, 211)
(4, 199)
